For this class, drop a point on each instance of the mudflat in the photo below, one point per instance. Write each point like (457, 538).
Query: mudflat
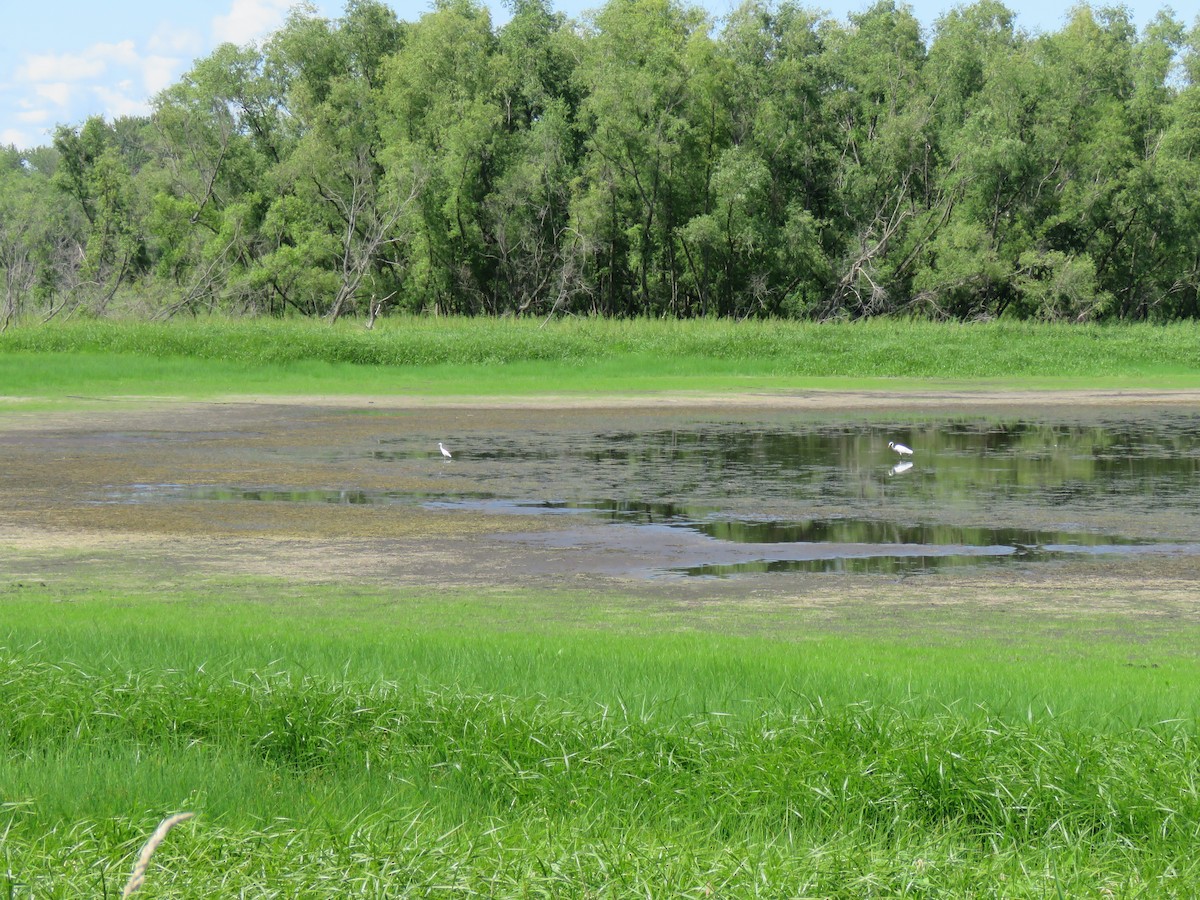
(283, 487)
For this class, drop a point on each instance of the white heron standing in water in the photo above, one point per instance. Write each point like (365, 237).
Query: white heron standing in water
(900, 448)
(445, 452)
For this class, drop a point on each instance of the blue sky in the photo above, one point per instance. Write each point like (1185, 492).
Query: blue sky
(68, 59)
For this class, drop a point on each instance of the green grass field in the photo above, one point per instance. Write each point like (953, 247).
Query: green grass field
(354, 741)
(350, 742)
(490, 357)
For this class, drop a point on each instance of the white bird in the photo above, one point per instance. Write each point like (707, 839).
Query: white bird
(445, 452)
(900, 448)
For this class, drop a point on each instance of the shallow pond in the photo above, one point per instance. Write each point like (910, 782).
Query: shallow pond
(778, 492)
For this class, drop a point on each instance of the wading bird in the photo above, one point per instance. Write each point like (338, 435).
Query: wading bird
(900, 448)
(445, 452)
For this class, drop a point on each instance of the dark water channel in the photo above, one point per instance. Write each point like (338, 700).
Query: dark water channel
(780, 493)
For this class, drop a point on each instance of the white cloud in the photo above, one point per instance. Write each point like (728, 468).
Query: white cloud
(117, 74)
(248, 20)
(118, 102)
(159, 72)
(16, 138)
(61, 66)
(91, 63)
(170, 40)
(125, 66)
(57, 92)
(123, 53)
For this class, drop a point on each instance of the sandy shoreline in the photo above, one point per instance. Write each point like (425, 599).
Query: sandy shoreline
(784, 400)
(14, 417)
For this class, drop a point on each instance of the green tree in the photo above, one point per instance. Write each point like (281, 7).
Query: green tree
(336, 186)
(1177, 276)
(20, 223)
(445, 125)
(645, 164)
(221, 130)
(886, 157)
(92, 170)
(1139, 252)
(987, 89)
(537, 157)
(637, 163)
(777, 78)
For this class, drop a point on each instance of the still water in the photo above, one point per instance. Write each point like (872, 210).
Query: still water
(780, 493)
(831, 496)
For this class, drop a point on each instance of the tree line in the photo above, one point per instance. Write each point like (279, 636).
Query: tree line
(645, 160)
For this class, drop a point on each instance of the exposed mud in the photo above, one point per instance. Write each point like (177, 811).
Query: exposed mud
(70, 482)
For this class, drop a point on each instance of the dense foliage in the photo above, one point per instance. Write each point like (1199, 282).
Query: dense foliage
(339, 741)
(644, 161)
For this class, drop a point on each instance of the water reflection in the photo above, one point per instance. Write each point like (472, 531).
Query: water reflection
(860, 531)
(882, 562)
(709, 521)
(998, 459)
(847, 565)
(1022, 490)
(976, 491)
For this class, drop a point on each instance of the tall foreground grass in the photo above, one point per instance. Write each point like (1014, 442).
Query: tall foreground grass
(372, 750)
(576, 354)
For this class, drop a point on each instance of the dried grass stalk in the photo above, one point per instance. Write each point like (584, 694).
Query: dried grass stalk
(139, 871)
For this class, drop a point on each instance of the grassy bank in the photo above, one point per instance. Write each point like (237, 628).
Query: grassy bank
(352, 740)
(343, 742)
(488, 356)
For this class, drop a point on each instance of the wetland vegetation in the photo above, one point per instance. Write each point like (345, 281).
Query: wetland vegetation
(350, 741)
(652, 207)
(396, 698)
(457, 356)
